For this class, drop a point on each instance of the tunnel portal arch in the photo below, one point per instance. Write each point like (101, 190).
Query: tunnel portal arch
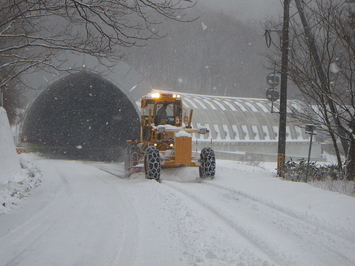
(81, 115)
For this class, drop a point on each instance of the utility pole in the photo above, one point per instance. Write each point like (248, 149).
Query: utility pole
(283, 90)
(323, 79)
(1, 98)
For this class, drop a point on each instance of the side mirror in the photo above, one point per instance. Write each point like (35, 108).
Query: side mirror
(202, 130)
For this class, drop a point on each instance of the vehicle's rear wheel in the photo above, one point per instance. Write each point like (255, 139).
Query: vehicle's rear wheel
(132, 154)
(208, 163)
(152, 165)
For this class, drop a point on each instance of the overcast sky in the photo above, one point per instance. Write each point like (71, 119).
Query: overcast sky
(247, 9)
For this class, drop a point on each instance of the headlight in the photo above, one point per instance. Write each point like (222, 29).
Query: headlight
(155, 95)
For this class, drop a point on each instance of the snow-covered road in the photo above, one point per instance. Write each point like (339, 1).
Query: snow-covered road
(81, 215)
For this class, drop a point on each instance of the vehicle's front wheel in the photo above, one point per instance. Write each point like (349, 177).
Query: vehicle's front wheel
(152, 165)
(208, 163)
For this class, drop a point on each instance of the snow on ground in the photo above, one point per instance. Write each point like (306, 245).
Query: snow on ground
(81, 214)
(59, 212)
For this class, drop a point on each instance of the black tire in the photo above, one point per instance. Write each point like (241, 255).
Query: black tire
(152, 165)
(132, 155)
(208, 163)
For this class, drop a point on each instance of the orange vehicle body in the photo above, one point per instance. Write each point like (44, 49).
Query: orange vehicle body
(165, 128)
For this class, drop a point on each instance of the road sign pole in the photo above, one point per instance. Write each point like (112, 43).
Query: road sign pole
(310, 131)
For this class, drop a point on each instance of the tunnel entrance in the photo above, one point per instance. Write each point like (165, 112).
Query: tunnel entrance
(81, 116)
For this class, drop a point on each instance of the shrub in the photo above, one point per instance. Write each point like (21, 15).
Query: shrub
(297, 171)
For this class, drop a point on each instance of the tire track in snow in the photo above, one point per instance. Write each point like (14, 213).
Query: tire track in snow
(298, 222)
(303, 218)
(110, 172)
(117, 171)
(238, 230)
(279, 220)
(308, 233)
(128, 248)
(19, 240)
(150, 240)
(127, 245)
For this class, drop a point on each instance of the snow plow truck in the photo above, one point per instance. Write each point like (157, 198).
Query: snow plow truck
(165, 139)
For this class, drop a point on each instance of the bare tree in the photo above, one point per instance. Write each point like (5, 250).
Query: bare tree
(321, 64)
(13, 100)
(34, 34)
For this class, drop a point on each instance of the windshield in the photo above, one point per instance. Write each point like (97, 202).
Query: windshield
(165, 114)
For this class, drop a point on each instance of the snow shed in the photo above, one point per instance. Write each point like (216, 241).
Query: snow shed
(82, 116)
(245, 129)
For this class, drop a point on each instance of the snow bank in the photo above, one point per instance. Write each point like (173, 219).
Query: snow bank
(10, 168)
(12, 193)
(16, 182)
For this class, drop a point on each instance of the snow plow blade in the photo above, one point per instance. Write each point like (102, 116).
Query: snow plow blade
(134, 169)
